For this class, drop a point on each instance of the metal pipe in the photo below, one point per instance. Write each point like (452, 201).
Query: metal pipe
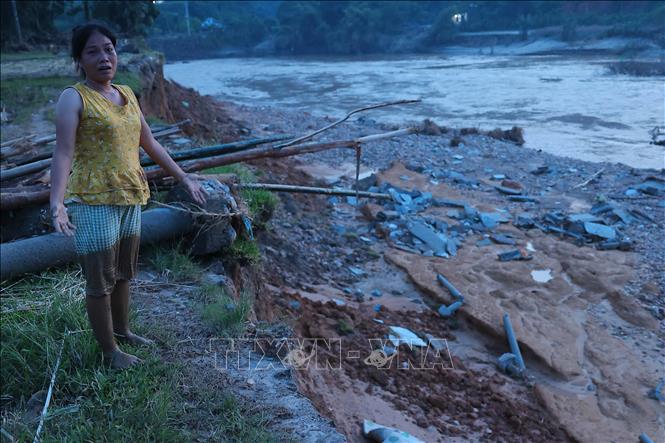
(512, 341)
(453, 290)
(39, 253)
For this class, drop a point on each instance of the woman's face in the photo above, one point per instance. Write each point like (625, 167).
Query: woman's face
(98, 59)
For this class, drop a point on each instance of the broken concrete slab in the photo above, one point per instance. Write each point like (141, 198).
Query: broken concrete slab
(403, 335)
(514, 254)
(428, 236)
(522, 199)
(599, 230)
(503, 239)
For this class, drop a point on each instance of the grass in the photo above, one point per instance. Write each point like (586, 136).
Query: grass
(174, 263)
(21, 56)
(246, 252)
(130, 79)
(261, 203)
(24, 96)
(222, 312)
(90, 402)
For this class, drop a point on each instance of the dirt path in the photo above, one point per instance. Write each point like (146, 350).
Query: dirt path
(253, 373)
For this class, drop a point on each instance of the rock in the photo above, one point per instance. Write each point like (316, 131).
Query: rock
(514, 254)
(428, 236)
(541, 170)
(512, 184)
(509, 191)
(215, 234)
(503, 239)
(600, 230)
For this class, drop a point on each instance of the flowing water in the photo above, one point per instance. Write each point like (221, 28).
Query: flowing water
(568, 106)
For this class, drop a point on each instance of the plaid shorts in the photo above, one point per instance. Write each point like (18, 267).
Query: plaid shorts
(107, 241)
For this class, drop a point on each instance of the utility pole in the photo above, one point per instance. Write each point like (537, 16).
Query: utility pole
(18, 24)
(189, 31)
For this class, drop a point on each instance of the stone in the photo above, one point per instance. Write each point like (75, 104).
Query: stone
(428, 236)
(600, 230)
(509, 191)
(214, 235)
(503, 239)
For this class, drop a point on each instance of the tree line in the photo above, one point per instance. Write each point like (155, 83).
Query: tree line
(337, 27)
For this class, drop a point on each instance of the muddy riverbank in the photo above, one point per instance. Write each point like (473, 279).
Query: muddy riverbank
(581, 329)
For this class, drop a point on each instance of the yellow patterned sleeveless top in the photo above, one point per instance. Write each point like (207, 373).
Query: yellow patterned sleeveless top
(106, 169)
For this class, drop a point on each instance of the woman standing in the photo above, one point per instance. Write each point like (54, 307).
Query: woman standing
(99, 128)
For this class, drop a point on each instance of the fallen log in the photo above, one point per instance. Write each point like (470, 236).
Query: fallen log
(39, 253)
(312, 190)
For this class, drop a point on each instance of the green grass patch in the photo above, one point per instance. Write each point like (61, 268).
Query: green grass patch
(25, 96)
(222, 312)
(21, 56)
(261, 203)
(244, 251)
(90, 402)
(174, 262)
(243, 172)
(130, 79)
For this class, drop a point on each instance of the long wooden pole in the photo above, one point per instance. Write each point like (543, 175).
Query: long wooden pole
(14, 201)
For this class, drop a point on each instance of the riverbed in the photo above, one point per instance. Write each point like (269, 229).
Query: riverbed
(568, 106)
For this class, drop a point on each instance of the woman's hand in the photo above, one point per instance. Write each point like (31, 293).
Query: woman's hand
(194, 188)
(61, 221)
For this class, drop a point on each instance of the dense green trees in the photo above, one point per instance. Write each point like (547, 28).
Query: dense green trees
(49, 21)
(341, 27)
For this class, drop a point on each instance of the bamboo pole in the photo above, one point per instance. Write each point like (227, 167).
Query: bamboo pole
(217, 149)
(36, 166)
(312, 190)
(9, 201)
(270, 152)
(19, 171)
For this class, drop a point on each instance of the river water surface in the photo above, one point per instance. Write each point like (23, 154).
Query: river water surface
(568, 106)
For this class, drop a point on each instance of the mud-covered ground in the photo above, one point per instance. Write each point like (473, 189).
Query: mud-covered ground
(581, 332)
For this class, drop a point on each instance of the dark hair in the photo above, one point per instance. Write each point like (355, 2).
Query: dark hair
(81, 34)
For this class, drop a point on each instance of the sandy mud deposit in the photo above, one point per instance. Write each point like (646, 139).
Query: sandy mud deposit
(592, 351)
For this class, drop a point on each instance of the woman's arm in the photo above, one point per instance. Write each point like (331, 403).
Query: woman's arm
(157, 152)
(67, 112)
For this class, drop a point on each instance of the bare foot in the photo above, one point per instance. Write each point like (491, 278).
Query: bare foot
(133, 339)
(121, 360)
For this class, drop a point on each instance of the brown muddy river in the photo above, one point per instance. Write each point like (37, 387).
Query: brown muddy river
(568, 106)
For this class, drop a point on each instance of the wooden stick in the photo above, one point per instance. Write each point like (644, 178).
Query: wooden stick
(590, 179)
(26, 169)
(312, 190)
(7, 148)
(50, 389)
(366, 108)
(16, 140)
